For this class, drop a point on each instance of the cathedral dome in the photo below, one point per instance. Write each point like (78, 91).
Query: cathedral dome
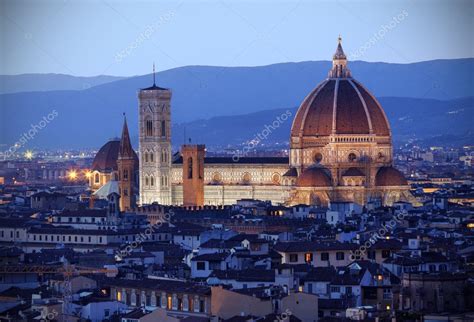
(106, 159)
(340, 105)
(389, 176)
(314, 177)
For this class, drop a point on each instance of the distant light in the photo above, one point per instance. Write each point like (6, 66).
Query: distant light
(72, 175)
(29, 154)
(387, 307)
(88, 174)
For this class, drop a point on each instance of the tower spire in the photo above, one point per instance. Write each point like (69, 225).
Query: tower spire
(126, 170)
(125, 150)
(339, 62)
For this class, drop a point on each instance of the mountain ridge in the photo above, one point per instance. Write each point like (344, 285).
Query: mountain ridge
(88, 117)
(35, 82)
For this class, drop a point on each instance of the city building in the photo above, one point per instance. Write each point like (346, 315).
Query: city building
(340, 150)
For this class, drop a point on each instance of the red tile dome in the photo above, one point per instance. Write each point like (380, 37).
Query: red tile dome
(314, 177)
(389, 176)
(106, 159)
(339, 105)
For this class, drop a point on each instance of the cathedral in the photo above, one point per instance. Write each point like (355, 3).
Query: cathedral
(340, 150)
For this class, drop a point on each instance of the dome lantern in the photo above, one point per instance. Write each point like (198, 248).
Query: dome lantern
(339, 63)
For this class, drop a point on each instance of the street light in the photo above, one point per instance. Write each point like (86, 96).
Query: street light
(72, 175)
(29, 154)
(88, 174)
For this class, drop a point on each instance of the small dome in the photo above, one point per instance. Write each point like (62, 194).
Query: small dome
(291, 172)
(389, 176)
(314, 177)
(353, 172)
(106, 159)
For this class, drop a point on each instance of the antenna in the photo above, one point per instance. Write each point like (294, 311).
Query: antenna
(154, 74)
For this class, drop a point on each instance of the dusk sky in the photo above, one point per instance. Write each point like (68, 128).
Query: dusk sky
(87, 38)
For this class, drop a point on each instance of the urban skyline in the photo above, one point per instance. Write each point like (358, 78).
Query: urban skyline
(320, 191)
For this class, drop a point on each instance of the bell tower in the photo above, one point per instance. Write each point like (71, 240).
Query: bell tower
(155, 144)
(126, 170)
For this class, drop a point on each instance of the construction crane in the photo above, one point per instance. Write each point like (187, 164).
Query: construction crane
(69, 271)
(66, 270)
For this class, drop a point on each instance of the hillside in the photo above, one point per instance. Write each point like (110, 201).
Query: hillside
(89, 117)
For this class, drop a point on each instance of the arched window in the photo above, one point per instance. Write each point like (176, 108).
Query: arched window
(151, 156)
(97, 178)
(352, 157)
(148, 127)
(163, 128)
(146, 157)
(125, 174)
(381, 156)
(164, 155)
(152, 181)
(146, 181)
(190, 168)
(317, 158)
